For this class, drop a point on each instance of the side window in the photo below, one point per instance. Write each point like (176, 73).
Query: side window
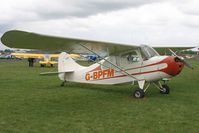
(130, 57)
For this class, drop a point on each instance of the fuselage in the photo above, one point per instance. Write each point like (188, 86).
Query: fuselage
(153, 69)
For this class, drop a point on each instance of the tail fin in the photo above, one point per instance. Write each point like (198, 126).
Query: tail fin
(66, 63)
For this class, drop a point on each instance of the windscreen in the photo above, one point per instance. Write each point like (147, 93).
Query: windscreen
(148, 52)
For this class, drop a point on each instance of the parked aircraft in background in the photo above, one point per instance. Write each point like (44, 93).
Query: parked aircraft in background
(90, 57)
(124, 63)
(196, 49)
(5, 56)
(45, 59)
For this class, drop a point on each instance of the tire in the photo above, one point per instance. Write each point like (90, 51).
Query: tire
(139, 93)
(164, 89)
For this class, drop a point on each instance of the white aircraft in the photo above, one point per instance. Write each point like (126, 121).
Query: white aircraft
(123, 63)
(196, 49)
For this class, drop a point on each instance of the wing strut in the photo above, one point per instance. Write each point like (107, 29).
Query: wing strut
(127, 74)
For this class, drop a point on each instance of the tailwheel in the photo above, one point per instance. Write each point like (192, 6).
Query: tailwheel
(164, 89)
(139, 93)
(63, 83)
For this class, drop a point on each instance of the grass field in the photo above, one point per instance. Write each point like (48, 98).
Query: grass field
(30, 103)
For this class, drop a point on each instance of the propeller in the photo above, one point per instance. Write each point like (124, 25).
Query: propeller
(181, 59)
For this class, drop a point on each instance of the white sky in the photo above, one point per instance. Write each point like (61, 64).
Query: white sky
(153, 22)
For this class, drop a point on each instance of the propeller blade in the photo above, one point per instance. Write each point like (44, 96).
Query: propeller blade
(173, 52)
(187, 64)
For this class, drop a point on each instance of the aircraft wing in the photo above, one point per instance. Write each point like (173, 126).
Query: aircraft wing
(28, 55)
(28, 40)
(71, 55)
(165, 50)
(54, 55)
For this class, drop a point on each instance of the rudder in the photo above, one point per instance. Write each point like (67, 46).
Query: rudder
(66, 63)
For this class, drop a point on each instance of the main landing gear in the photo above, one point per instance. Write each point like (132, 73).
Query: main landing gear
(140, 92)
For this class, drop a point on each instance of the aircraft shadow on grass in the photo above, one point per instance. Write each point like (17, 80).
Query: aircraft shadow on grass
(116, 89)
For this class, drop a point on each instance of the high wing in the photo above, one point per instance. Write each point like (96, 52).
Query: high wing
(165, 50)
(28, 55)
(28, 40)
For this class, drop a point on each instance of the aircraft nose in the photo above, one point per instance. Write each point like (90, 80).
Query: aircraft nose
(178, 65)
(175, 66)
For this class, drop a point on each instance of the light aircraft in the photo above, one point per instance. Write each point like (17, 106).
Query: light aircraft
(45, 59)
(123, 63)
(91, 57)
(196, 49)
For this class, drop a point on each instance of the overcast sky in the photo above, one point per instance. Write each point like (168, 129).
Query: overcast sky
(153, 22)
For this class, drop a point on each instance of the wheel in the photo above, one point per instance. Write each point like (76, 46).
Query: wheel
(62, 84)
(139, 93)
(164, 89)
(51, 65)
(41, 65)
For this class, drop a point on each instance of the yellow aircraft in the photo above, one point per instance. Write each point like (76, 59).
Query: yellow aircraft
(45, 59)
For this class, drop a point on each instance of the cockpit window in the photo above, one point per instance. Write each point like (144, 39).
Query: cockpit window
(130, 57)
(148, 52)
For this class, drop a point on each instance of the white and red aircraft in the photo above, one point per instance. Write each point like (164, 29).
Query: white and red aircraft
(121, 63)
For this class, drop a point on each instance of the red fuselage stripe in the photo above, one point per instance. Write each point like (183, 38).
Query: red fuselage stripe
(119, 76)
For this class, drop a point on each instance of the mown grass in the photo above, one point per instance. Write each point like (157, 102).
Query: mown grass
(33, 103)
